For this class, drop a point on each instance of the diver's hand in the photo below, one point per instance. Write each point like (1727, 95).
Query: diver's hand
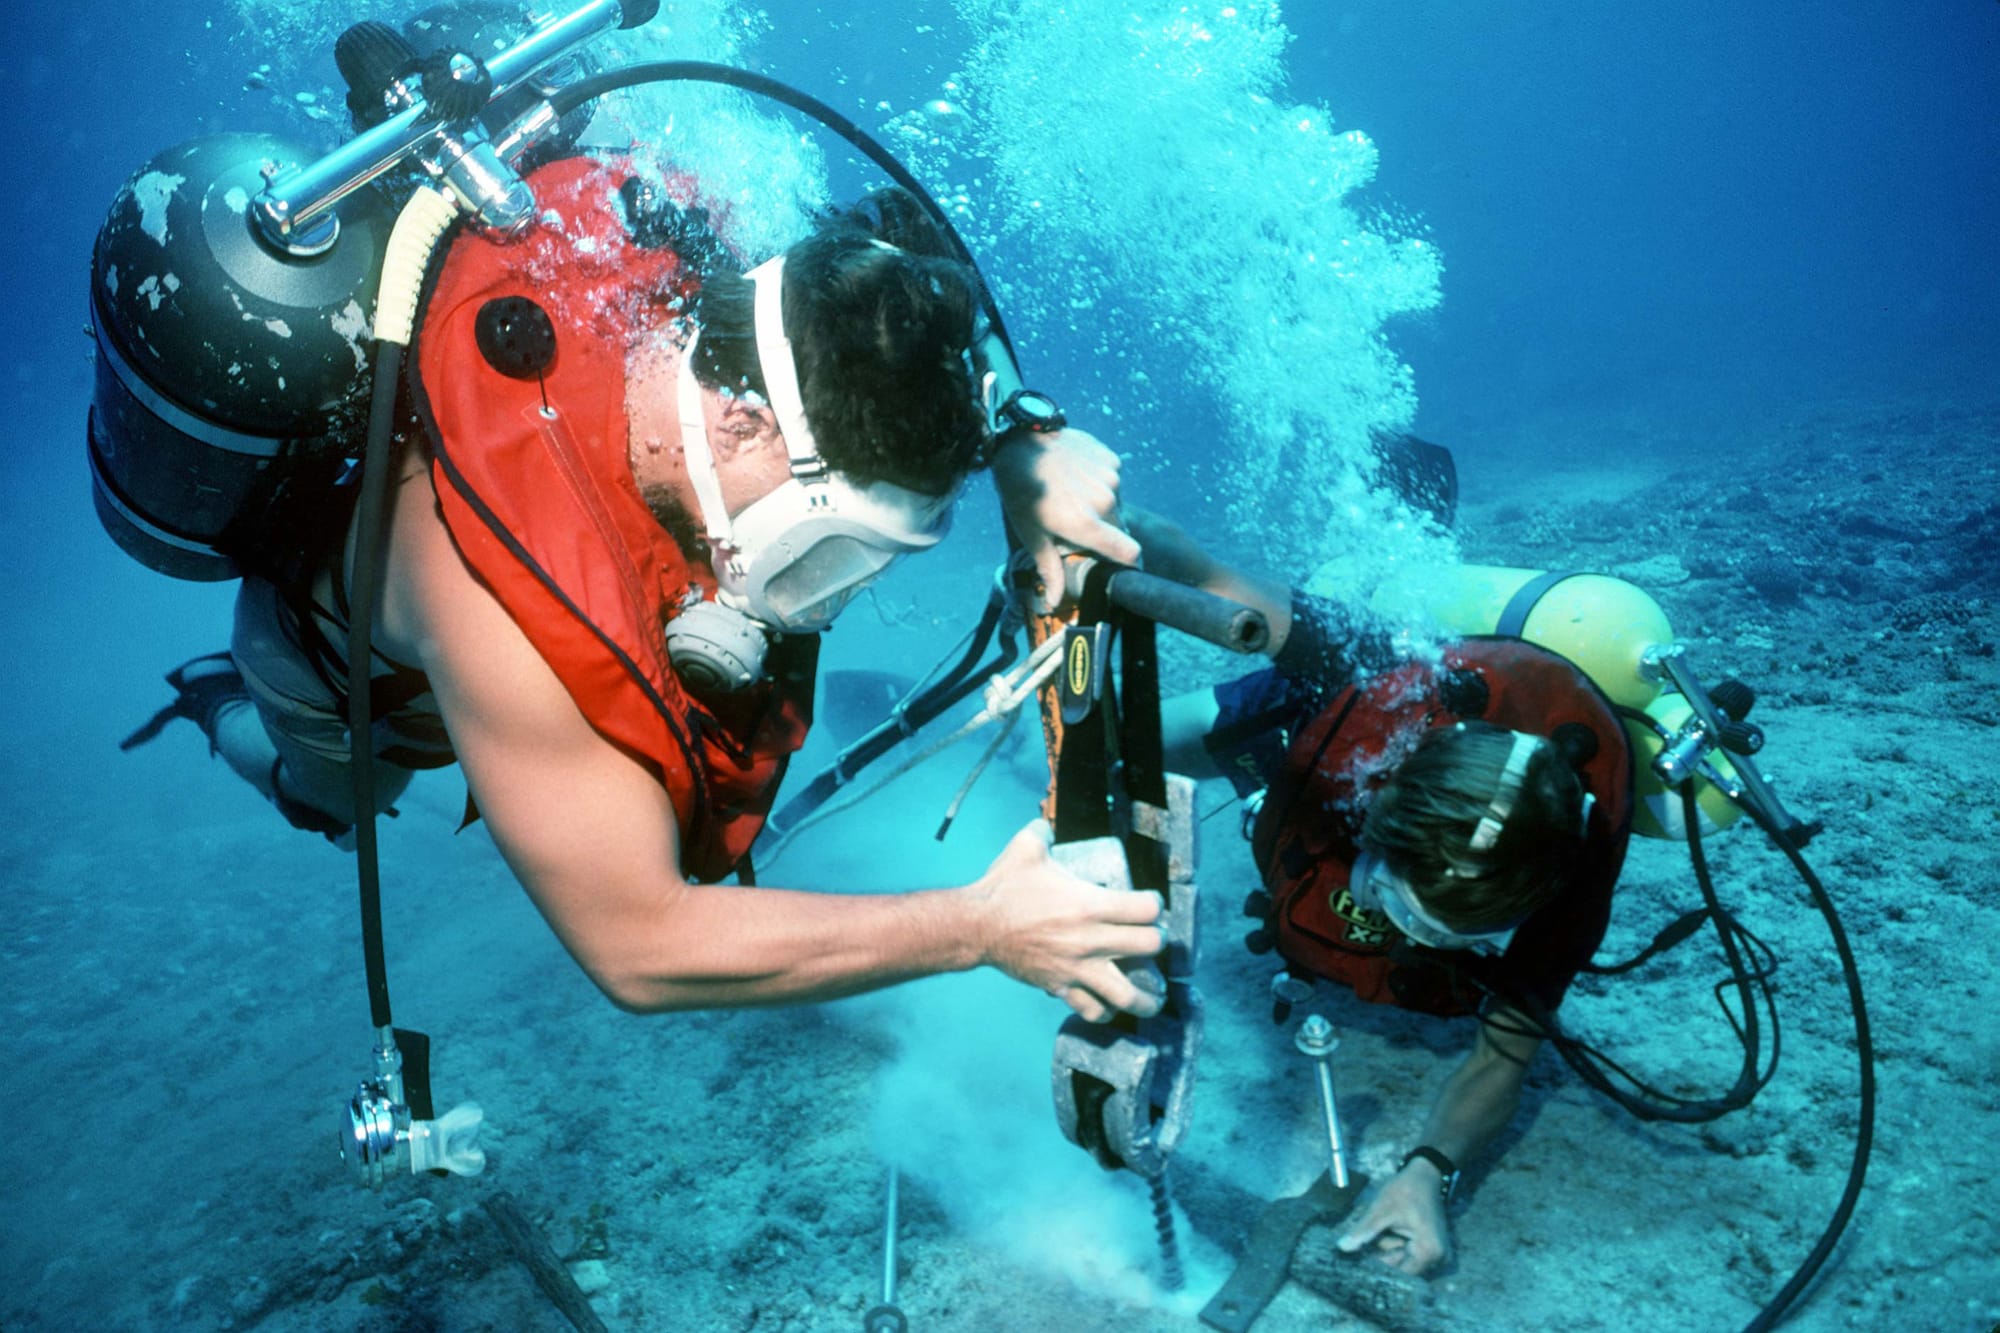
(1405, 1222)
(1061, 489)
(1062, 934)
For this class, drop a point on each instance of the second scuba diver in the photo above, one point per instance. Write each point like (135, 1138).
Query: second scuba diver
(1442, 834)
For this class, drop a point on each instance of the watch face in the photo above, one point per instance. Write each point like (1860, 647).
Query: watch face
(1033, 409)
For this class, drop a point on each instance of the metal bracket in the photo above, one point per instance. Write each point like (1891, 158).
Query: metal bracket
(1267, 1255)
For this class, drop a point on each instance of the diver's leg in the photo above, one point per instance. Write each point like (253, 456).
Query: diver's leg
(293, 745)
(312, 791)
(206, 689)
(277, 724)
(210, 692)
(239, 736)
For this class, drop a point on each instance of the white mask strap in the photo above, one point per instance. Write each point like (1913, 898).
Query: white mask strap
(1511, 778)
(700, 459)
(781, 371)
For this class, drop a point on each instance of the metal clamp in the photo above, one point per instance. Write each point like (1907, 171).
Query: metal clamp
(1125, 1097)
(1123, 1090)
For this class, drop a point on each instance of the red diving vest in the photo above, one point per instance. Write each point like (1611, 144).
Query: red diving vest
(544, 508)
(1306, 836)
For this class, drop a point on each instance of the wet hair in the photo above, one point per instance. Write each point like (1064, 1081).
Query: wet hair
(882, 338)
(1422, 824)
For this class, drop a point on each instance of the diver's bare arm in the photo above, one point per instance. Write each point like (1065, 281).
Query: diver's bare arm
(592, 836)
(1482, 1094)
(1405, 1223)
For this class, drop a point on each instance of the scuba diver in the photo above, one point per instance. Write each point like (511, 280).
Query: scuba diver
(1441, 833)
(632, 484)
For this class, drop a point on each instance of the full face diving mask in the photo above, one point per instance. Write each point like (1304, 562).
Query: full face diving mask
(794, 559)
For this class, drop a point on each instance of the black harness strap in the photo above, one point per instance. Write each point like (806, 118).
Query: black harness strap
(1083, 769)
(1522, 604)
(1143, 751)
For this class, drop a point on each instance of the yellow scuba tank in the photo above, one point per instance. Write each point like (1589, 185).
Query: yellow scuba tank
(1607, 627)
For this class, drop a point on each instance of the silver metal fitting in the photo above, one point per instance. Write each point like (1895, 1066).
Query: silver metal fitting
(1316, 1039)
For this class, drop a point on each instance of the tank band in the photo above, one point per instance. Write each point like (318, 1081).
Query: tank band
(173, 414)
(1522, 604)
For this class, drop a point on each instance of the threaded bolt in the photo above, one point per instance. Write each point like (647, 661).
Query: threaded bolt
(1171, 1276)
(1316, 1040)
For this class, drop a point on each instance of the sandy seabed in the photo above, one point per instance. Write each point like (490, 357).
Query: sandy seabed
(185, 1010)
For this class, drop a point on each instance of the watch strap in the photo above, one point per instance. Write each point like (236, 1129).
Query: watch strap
(1447, 1168)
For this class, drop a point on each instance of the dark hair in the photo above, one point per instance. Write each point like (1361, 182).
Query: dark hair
(1422, 823)
(882, 337)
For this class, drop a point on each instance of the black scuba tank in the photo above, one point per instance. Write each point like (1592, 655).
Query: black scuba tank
(232, 375)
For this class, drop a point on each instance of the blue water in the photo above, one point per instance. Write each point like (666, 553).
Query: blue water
(1674, 215)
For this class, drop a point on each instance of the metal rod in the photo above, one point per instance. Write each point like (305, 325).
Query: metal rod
(1316, 1039)
(1201, 615)
(887, 1316)
(551, 1274)
(1332, 1113)
(889, 1245)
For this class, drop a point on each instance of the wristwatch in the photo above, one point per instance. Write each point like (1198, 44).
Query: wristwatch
(1031, 409)
(1447, 1168)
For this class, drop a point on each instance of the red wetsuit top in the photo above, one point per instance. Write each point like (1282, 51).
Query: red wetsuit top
(543, 506)
(1306, 835)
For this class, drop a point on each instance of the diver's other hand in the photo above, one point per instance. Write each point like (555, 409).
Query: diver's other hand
(1058, 932)
(1405, 1223)
(1061, 489)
